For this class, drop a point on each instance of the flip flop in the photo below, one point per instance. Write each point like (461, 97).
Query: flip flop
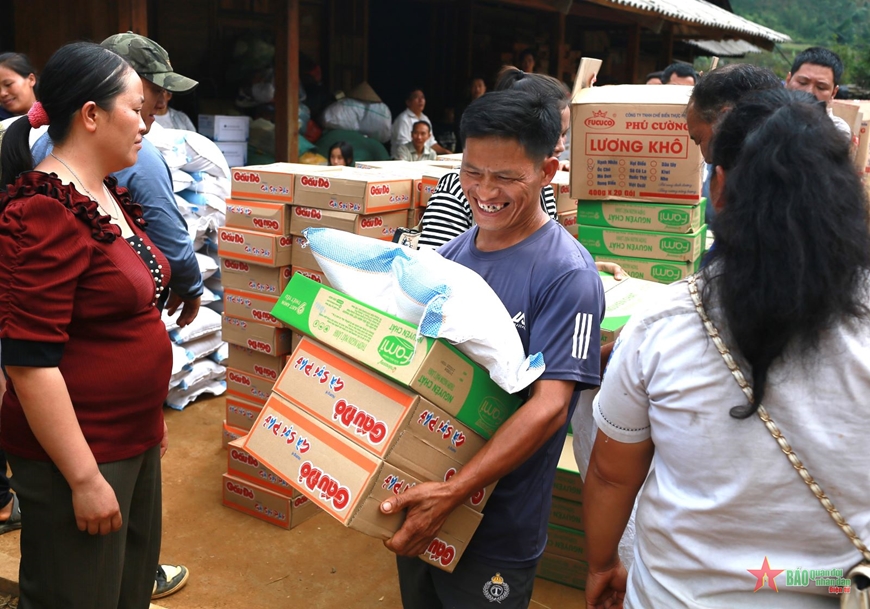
(13, 523)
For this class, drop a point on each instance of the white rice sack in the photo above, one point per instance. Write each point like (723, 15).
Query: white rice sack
(171, 143)
(206, 203)
(206, 322)
(213, 283)
(180, 180)
(201, 347)
(198, 228)
(208, 297)
(206, 183)
(202, 370)
(188, 210)
(204, 155)
(207, 265)
(369, 118)
(178, 398)
(181, 360)
(445, 299)
(221, 355)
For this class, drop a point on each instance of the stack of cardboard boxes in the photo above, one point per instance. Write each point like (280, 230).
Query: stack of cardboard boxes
(637, 177)
(564, 559)
(230, 133)
(360, 413)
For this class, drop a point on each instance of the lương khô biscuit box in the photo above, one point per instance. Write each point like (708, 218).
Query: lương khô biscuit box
(230, 433)
(243, 465)
(241, 413)
(643, 244)
(662, 271)
(252, 246)
(266, 504)
(251, 387)
(274, 182)
(301, 254)
(260, 216)
(377, 226)
(631, 142)
(661, 217)
(568, 219)
(256, 336)
(251, 306)
(358, 191)
(250, 277)
(433, 368)
(378, 415)
(345, 480)
(248, 360)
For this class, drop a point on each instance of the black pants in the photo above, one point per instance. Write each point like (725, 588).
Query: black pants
(5, 494)
(64, 568)
(471, 585)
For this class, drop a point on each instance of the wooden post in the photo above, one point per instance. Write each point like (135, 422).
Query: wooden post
(632, 54)
(133, 16)
(667, 53)
(287, 85)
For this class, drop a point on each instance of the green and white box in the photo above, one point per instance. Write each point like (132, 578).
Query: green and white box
(661, 271)
(643, 244)
(622, 300)
(659, 217)
(433, 368)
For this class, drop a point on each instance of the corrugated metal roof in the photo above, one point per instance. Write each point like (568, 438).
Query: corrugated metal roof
(726, 48)
(701, 13)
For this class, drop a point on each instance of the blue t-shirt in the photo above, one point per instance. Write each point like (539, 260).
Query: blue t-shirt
(551, 288)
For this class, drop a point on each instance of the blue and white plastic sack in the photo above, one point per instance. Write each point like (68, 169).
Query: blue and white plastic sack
(445, 299)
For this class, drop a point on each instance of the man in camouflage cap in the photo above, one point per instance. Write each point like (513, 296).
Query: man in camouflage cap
(150, 60)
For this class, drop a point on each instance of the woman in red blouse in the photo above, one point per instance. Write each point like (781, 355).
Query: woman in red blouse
(85, 352)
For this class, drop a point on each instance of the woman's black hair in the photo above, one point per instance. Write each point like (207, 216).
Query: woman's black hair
(792, 250)
(76, 74)
(18, 63)
(346, 152)
(511, 77)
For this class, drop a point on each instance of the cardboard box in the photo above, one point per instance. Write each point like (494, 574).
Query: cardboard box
(367, 408)
(295, 341)
(643, 244)
(241, 275)
(563, 570)
(653, 270)
(568, 219)
(433, 368)
(413, 171)
(345, 480)
(568, 483)
(429, 182)
(358, 191)
(248, 386)
(248, 360)
(256, 336)
(566, 542)
(568, 514)
(274, 182)
(453, 156)
(376, 226)
(222, 128)
(231, 433)
(251, 306)
(236, 153)
(313, 275)
(272, 218)
(301, 254)
(241, 413)
(243, 465)
(660, 217)
(264, 504)
(622, 300)
(562, 189)
(414, 217)
(631, 142)
(252, 246)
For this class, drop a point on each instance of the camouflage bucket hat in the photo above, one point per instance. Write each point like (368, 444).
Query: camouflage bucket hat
(150, 60)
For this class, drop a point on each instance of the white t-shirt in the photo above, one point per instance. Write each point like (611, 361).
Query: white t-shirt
(840, 124)
(721, 496)
(402, 126)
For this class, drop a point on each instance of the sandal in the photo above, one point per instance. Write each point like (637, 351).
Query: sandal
(14, 521)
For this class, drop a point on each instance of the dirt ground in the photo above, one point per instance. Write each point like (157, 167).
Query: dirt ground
(236, 560)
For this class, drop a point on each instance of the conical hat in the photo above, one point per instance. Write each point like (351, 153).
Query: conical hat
(364, 92)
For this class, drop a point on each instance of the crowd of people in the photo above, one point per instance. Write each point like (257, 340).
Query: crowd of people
(92, 248)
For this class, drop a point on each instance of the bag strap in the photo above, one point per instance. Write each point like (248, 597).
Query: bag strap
(713, 333)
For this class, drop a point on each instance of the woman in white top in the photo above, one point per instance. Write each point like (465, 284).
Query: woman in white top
(723, 519)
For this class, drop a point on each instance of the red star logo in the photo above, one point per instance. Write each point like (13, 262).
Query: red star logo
(765, 572)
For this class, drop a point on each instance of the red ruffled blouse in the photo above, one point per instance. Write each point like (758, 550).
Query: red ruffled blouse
(77, 296)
